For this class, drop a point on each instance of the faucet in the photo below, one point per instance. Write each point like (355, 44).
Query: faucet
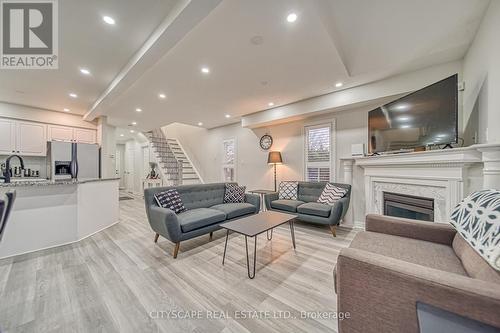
(6, 174)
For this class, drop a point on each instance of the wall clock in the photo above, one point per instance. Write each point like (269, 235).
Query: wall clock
(266, 141)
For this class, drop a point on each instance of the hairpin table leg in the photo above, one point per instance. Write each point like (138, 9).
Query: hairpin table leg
(251, 276)
(225, 247)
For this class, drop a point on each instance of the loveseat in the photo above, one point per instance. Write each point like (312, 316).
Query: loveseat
(306, 207)
(205, 211)
(412, 276)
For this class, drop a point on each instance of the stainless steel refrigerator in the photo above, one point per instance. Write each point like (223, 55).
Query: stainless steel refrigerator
(73, 160)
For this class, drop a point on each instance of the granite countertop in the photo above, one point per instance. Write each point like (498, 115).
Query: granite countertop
(48, 182)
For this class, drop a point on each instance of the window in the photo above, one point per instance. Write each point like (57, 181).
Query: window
(229, 160)
(318, 153)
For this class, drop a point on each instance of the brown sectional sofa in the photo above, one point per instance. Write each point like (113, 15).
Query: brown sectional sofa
(398, 263)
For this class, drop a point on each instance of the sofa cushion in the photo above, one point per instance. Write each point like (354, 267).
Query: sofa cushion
(233, 210)
(314, 208)
(288, 205)
(288, 190)
(477, 220)
(199, 217)
(429, 254)
(170, 199)
(234, 193)
(331, 194)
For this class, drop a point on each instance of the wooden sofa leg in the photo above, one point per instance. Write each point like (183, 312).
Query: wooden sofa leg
(176, 249)
(211, 235)
(332, 229)
(156, 238)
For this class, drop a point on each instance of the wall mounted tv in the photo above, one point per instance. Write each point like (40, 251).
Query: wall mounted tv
(425, 117)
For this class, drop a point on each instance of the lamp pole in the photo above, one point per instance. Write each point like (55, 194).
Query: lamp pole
(274, 177)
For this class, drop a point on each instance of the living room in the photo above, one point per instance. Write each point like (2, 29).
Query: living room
(251, 166)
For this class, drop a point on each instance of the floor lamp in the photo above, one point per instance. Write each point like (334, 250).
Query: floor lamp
(274, 158)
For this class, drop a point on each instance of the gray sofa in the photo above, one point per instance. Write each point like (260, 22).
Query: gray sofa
(205, 211)
(306, 207)
(398, 269)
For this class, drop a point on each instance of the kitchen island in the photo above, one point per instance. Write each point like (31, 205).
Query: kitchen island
(53, 213)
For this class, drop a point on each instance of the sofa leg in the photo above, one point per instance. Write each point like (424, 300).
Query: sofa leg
(211, 236)
(332, 229)
(156, 238)
(176, 249)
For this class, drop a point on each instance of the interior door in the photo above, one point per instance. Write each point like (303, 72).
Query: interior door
(119, 170)
(129, 170)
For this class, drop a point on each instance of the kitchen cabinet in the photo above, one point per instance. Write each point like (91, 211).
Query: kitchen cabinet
(7, 137)
(60, 133)
(71, 134)
(31, 139)
(84, 136)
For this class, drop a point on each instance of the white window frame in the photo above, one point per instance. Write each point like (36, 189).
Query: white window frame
(333, 147)
(225, 163)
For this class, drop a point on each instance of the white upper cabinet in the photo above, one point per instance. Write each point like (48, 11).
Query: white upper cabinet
(60, 133)
(31, 139)
(7, 137)
(70, 134)
(85, 136)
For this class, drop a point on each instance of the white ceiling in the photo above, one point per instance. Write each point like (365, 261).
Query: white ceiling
(353, 41)
(86, 41)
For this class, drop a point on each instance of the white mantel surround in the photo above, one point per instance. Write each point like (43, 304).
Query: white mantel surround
(439, 174)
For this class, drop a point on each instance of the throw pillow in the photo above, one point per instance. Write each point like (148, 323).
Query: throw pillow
(170, 199)
(331, 194)
(234, 193)
(477, 220)
(288, 190)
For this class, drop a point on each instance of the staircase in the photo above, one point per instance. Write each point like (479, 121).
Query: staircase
(175, 167)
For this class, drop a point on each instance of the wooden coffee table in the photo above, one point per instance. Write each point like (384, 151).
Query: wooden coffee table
(254, 225)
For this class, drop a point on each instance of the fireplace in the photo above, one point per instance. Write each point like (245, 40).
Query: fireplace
(408, 206)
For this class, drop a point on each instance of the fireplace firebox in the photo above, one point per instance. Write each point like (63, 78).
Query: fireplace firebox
(408, 206)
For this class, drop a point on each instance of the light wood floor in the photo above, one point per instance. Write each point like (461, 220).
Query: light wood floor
(119, 280)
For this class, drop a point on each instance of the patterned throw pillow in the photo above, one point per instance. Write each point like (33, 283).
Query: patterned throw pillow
(288, 190)
(331, 194)
(234, 193)
(170, 199)
(477, 220)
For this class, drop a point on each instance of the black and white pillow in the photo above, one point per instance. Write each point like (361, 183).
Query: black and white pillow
(477, 220)
(331, 194)
(288, 190)
(234, 193)
(170, 199)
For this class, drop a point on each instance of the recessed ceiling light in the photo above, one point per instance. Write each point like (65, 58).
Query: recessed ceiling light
(205, 70)
(108, 20)
(339, 84)
(122, 134)
(84, 71)
(73, 95)
(134, 123)
(227, 116)
(162, 96)
(132, 131)
(270, 104)
(292, 17)
(138, 110)
(200, 124)
(66, 110)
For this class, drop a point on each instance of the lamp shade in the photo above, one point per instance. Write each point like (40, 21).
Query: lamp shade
(274, 157)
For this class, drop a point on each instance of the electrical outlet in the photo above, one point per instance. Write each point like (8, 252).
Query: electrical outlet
(461, 86)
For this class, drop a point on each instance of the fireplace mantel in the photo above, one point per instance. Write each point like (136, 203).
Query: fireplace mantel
(439, 174)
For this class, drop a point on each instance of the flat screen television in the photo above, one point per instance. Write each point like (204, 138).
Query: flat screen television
(423, 118)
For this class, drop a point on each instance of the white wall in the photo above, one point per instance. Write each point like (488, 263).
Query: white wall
(204, 147)
(44, 116)
(482, 76)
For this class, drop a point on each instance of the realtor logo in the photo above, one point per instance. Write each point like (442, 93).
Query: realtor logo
(29, 38)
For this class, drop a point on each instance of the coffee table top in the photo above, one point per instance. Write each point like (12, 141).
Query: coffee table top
(257, 224)
(262, 191)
